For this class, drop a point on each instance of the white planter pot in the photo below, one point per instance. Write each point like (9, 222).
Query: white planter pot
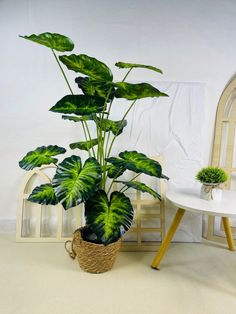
(211, 192)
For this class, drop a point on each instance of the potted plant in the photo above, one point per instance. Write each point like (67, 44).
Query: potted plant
(211, 179)
(108, 213)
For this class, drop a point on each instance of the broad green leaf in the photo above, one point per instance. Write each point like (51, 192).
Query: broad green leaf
(115, 171)
(52, 40)
(108, 219)
(116, 127)
(43, 194)
(79, 104)
(74, 184)
(86, 145)
(93, 87)
(136, 91)
(141, 163)
(78, 119)
(117, 162)
(123, 65)
(141, 187)
(41, 156)
(87, 65)
(137, 162)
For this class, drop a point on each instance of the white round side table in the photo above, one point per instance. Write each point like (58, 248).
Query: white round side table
(189, 200)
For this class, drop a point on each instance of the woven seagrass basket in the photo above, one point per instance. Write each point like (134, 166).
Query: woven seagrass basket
(92, 257)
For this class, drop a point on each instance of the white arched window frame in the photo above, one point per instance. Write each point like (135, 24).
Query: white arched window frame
(224, 152)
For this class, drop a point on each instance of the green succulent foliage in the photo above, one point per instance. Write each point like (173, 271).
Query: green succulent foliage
(85, 145)
(79, 104)
(87, 65)
(137, 91)
(124, 65)
(43, 194)
(78, 119)
(93, 87)
(41, 156)
(116, 127)
(212, 175)
(108, 219)
(74, 184)
(141, 187)
(137, 162)
(52, 40)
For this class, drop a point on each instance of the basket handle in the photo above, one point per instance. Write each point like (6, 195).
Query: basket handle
(70, 250)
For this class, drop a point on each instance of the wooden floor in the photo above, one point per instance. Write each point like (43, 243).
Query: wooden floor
(42, 279)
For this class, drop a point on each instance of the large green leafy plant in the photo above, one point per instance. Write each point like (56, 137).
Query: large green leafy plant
(108, 215)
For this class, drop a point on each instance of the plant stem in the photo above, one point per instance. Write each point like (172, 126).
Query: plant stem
(102, 136)
(100, 139)
(109, 110)
(96, 122)
(68, 84)
(127, 74)
(112, 142)
(62, 71)
(126, 188)
(111, 184)
(105, 102)
(108, 138)
(86, 138)
(89, 135)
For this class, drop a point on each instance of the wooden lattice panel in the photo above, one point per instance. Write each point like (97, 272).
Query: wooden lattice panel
(224, 147)
(148, 228)
(43, 223)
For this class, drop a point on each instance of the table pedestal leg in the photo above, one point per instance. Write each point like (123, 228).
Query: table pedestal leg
(228, 233)
(175, 223)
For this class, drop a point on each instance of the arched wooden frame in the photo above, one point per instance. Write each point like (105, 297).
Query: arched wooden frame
(155, 212)
(25, 190)
(224, 145)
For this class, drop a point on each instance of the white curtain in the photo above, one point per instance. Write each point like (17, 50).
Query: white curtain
(170, 127)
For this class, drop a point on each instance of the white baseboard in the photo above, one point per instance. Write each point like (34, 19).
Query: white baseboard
(7, 225)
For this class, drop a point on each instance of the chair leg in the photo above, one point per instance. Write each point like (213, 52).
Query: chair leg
(175, 223)
(228, 233)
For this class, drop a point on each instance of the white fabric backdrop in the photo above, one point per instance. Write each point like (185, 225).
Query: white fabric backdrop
(171, 127)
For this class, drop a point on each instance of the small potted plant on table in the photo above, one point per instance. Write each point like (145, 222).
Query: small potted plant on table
(211, 179)
(108, 213)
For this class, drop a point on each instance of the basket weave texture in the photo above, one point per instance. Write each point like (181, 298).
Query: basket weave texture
(92, 257)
